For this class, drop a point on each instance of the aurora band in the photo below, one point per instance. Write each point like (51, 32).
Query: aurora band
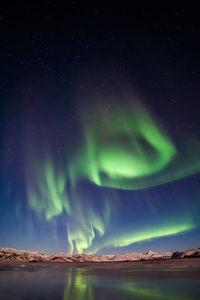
(123, 147)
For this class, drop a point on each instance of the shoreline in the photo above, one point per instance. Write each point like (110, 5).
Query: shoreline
(11, 255)
(184, 263)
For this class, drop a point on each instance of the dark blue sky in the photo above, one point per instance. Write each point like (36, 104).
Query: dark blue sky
(77, 84)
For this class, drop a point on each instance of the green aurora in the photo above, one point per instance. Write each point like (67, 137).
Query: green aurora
(121, 145)
(123, 148)
(171, 227)
(48, 198)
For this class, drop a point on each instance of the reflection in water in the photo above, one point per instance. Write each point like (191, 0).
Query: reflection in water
(150, 293)
(78, 286)
(97, 282)
(81, 286)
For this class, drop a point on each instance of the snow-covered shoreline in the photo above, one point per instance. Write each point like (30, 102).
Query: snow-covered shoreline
(14, 255)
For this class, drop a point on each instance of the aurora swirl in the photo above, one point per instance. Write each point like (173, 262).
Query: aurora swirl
(122, 145)
(122, 148)
(99, 134)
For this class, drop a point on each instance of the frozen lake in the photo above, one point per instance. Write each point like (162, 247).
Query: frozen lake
(97, 281)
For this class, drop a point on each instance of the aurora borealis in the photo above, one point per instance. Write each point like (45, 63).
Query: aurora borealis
(100, 140)
(123, 144)
(123, 148)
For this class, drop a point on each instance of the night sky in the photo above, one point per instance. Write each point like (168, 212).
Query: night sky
(99, 128)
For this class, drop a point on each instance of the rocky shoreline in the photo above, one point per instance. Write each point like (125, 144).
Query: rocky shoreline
(14, 255)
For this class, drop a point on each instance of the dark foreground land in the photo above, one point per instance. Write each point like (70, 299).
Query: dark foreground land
(171, 279)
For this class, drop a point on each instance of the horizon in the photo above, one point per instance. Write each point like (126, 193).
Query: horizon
(95, 254)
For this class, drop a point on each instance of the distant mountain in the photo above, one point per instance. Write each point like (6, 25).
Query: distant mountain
(14, 255)
(187, 253)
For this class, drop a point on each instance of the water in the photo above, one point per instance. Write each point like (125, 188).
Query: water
(97, 281)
